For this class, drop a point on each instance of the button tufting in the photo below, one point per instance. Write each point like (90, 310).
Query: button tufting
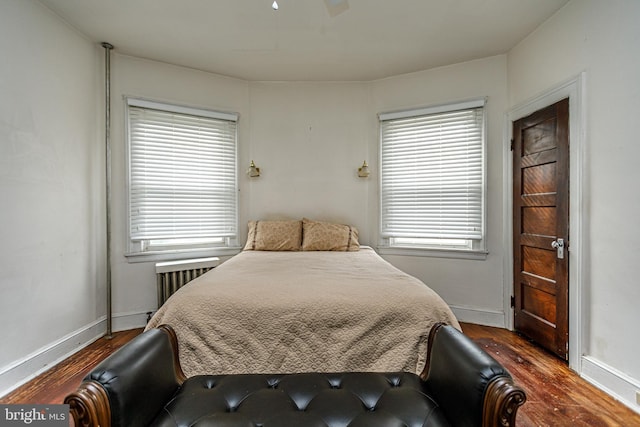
(328, 400)
(273, 382)
(335, 382)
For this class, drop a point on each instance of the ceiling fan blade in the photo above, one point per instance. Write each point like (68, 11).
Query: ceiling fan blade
(336, 7)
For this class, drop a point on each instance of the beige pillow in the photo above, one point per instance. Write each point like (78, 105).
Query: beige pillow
(327, 236)
(274, 236)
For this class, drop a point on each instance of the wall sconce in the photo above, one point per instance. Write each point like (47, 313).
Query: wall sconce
(253, 171)
(363, 171)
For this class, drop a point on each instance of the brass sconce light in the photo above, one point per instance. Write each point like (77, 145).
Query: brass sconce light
(363, 171)
(253, 171)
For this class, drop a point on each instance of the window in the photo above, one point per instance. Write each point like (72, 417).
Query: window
(432, 179)
(182, 178)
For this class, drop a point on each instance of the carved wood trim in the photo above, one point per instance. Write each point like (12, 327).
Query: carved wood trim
(89, 405)
(501, 402)
(502, 397)
(432, 334)
(180, 376)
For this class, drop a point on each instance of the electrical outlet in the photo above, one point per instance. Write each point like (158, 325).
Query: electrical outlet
(638, 397)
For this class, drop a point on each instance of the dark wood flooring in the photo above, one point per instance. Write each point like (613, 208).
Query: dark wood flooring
(53, 385)
(556, 396)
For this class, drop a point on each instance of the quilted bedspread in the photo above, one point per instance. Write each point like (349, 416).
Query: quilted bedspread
(289, 312)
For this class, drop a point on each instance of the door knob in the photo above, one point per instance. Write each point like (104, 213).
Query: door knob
(558, 245)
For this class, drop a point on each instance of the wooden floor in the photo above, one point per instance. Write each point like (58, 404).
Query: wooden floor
(556, 396)
(53, 385)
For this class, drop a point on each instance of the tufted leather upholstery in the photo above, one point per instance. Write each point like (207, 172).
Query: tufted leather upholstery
(313, 399)
(145, 368)
(142, 384)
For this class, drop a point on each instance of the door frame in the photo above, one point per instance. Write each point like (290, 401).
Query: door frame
(574, 89)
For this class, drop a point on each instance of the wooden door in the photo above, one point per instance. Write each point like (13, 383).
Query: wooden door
(540, 225)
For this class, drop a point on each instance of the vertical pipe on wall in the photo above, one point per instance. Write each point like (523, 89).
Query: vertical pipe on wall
(107, 125)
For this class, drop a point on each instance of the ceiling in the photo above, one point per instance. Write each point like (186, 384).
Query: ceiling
(302, 41)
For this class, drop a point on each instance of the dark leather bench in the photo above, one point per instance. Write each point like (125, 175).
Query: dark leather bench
(142, 384)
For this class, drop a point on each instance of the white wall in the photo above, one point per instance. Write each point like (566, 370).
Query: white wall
(309, 140)
(601, 39)
(51, 187)
(474, 288)
(134, 285)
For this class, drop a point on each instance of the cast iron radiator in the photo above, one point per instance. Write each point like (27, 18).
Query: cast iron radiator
(172, 275)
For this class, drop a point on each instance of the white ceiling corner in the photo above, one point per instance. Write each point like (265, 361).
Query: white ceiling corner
(307, 40)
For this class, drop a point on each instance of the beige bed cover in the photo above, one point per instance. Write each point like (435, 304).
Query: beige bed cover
(284, 312)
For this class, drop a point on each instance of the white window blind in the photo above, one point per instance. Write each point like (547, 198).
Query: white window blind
(432, 173)
(182, 173)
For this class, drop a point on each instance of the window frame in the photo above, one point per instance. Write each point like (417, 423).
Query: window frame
(472, 249)
(143, 250)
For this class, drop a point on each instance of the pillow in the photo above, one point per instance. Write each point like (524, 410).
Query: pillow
(274, 236)
(327, 236)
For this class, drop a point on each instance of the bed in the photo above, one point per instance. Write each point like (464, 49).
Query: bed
(312, 301)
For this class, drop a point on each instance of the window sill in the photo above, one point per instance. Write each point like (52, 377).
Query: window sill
(478, 255)
(156, 256)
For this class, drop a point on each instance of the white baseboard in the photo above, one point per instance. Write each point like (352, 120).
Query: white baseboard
(613, 382)
(27, 368)
(131, 320)
(20, 371)
(479, 316)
